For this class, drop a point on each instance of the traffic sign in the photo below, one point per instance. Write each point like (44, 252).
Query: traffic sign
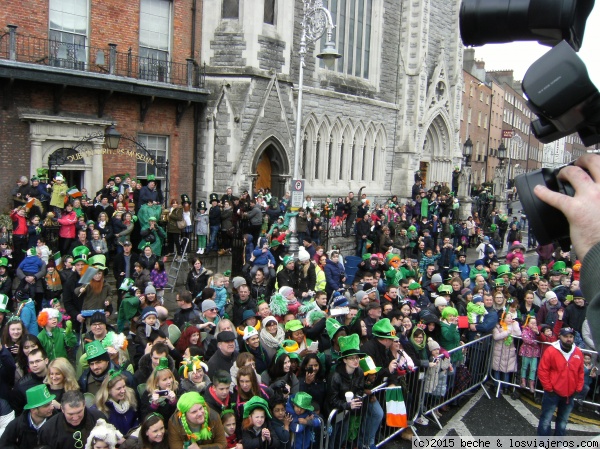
(297, 193)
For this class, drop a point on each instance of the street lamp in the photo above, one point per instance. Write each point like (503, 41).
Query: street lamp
(501, 153)
(315, 21)
(468, 150)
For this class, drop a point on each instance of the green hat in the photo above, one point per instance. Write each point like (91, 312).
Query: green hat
(81, 254)
(366, 256)
(31, 252)
(250, 332)
(414, 286)
(213, 197)
(254, 403)
(34, 178)
(42, 173)
(162, 364)
(449, 311)
(4, 303)
(454, 270)
(94, 350)
(98, 261)
(533, 271)
(303, 400)
(383, 329)
(349, 345)
(152, 218)
(90, 222)
(288, 259)
(368, 365)
(126, 284)
(560, 267)
(493, 227)
(412, 228)
(499, 282)
(293, 325)
(227, 273)
(150, 178)
(332, 326)
(503, 269)
(38, 396)
(274, 243)
(445, 289)
(3, 262)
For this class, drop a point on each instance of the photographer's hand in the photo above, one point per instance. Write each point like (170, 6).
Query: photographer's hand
(584, 228)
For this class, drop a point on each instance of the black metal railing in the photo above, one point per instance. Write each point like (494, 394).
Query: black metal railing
(108, 60)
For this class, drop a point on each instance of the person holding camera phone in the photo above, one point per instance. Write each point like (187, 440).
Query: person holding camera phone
(584, 226)
(160, 395)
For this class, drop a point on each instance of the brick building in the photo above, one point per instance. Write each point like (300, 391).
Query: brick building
(71, 68)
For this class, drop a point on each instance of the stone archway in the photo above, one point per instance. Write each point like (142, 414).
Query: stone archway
(272, 167)
(437, 151)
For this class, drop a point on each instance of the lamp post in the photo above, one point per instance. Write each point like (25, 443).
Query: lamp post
(464, 185)
(316, 20)
(112, 139)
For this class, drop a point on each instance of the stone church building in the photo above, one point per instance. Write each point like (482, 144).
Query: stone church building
(390, 105)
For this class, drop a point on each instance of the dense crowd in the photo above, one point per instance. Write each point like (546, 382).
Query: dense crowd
(246, 361)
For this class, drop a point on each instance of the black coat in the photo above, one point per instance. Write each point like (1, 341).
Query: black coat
(339, 383)
(19, 434)
(251, 440)
(58, 434)
(382, 357)
(18, 399)
(119, 266)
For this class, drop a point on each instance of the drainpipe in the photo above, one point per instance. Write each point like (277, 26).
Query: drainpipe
(193, 37)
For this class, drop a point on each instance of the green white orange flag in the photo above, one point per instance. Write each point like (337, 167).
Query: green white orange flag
(396, 409)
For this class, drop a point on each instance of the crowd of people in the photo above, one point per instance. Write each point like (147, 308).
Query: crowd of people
(259, 359)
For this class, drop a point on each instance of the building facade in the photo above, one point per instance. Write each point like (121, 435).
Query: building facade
(388, 107)
(71, 68)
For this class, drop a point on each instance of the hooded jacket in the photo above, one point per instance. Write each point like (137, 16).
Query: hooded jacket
(561, 372)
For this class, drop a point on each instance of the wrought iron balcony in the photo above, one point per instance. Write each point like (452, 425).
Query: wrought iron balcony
(76, 55)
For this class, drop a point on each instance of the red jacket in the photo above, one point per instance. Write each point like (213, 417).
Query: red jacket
(560, 372)
(20, 228)
(67, 225)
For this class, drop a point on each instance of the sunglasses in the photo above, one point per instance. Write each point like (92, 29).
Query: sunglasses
(78, 440)
(212, 310)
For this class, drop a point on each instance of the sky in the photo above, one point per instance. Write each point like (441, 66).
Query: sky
(520, 55)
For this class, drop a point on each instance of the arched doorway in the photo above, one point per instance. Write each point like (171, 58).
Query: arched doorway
(437, 152)
(69, 163)
(271, 167)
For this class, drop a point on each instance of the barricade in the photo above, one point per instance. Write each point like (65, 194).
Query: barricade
(448, 381)
(507, 371)
(315, 434)
(367, 426)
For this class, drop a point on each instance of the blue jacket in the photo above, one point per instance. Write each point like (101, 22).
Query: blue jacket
(249, 247)
(29, 317)
(334, 272)
(486, 326)
(465, 269)
(261, 258)
(221, 299)
(304, 433)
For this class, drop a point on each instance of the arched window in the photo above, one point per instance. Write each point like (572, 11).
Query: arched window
(352, 159)
(303, 156)
(341, 177)
(317, 156)
(329, 156)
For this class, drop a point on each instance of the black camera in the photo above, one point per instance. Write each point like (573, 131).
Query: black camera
(548, 223)
(309, 370)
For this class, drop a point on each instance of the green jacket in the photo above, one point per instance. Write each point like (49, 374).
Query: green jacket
(56, 344)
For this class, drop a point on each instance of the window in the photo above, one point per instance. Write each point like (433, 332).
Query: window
(353, 20)
(269, 15)
(469, 116)
(231, 9)
(68, 33)
(485, 122)
(157, 148)
(479, 118)
(155, 37)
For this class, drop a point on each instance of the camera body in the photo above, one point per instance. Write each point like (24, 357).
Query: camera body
(548, 223)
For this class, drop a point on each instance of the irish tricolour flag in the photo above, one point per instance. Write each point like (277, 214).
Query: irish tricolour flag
(396, 410)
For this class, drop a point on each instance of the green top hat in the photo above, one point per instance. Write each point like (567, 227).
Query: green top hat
(332, 326)
(94, 350)
(274, 243)
(3, 262)
(126, 284)
(303, 400)
(445, 289)
(503, 269)
(383, 329)
(162, 364)
(4, 303)
(560, 267)
(42, 173)
(368, 365)
(350, 345)
(499, 282)
(81, 254)
(254, 403)
(533, 271)
(98, 261)
(38, 396)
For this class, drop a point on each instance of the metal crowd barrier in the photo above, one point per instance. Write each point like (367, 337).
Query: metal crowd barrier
(466, 375)
(507, 372)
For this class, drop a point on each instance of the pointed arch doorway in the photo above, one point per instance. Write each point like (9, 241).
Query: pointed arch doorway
(272, 167)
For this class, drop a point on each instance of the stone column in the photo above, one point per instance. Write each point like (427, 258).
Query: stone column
(94, 176)
(36, 158)
(464, 193)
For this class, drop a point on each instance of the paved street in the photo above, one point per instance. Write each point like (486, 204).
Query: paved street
(480, 416)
